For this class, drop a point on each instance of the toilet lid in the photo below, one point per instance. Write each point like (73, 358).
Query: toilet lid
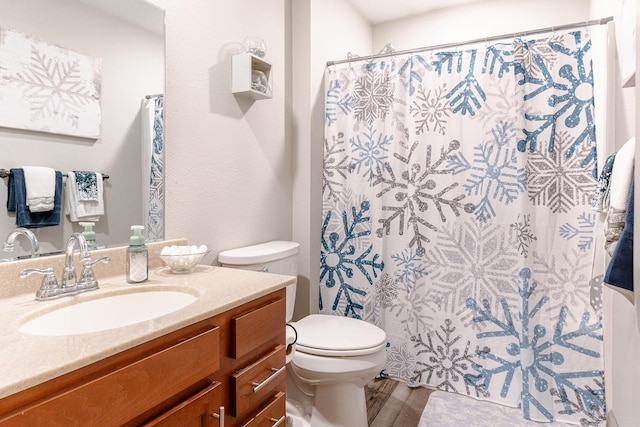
(328, 335)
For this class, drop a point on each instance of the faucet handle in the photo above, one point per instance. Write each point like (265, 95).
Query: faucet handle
(90, 263)
(87, 278)
(49, 288)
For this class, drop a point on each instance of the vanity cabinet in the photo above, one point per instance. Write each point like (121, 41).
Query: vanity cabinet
(232, 363)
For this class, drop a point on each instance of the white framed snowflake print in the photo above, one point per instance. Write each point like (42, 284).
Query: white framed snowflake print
(48, 88)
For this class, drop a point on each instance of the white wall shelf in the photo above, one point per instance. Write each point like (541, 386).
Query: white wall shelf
(242, 66)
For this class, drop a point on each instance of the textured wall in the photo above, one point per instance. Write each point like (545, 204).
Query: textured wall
(323, 30)
(228, 159)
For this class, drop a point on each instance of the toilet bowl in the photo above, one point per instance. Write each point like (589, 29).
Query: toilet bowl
(334, 356)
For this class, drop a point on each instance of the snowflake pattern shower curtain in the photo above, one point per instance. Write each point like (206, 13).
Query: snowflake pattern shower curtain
(456, 188)
(152, 113)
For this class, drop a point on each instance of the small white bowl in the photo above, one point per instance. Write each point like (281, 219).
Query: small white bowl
(183, 263)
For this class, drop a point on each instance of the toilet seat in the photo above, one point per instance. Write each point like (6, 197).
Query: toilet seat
(328, 335)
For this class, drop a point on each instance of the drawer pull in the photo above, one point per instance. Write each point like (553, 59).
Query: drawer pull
(219, 416)
(276, 372)
(278, 422)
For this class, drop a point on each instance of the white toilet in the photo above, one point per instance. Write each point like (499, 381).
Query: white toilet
(334, 356)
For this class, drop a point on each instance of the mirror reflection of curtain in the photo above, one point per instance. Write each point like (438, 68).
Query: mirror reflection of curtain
(152, 112)
(456, 216)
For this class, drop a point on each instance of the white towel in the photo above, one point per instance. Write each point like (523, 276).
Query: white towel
(40, 183)
(83, 210)
(621, 175)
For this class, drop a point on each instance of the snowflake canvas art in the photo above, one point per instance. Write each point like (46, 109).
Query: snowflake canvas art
(456, 216)
(48, 88)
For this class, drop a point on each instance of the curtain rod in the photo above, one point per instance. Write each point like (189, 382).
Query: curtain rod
(600, 21)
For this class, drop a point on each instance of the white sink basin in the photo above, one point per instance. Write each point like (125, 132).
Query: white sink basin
(107, 313)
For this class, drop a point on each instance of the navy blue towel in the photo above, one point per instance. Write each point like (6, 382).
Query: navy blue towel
(620, 270)
(17, 202)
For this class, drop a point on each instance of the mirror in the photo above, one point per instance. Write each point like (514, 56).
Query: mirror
(128, 37)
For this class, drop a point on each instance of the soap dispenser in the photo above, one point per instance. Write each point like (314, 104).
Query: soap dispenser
(89, 235)
(137, 257)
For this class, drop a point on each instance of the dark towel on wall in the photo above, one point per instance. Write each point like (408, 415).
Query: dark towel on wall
(17, 202)
(620, 270)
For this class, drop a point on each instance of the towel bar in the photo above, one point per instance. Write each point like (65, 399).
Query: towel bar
(4, 173)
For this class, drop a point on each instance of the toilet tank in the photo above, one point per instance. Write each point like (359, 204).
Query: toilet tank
(278, 256)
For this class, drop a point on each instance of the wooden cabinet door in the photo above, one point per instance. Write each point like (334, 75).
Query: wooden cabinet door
(257, 383)
(197, 411)
(256, 327)
(272, 415)
(119, 396)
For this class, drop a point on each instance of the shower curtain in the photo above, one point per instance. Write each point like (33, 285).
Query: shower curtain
(456, 189)
(152, 112)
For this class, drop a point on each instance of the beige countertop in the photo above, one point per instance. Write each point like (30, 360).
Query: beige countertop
(27, 360)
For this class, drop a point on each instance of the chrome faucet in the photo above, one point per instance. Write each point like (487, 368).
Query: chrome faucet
(70, 285)
(69, 272)
(33, 241)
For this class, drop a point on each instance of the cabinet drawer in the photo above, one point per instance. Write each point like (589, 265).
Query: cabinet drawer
(272, 415)
(125, 393)
(252, 329)
(253, 386)
(193, 411)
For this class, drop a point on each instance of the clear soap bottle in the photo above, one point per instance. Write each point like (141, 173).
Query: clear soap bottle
(137, 257)
(89, 235)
